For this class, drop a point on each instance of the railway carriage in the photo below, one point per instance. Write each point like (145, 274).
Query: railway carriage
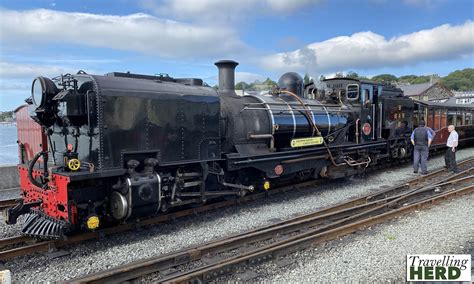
(124, 146)
(439, 116)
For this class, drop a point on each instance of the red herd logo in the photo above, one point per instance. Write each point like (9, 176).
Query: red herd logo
(366, 128)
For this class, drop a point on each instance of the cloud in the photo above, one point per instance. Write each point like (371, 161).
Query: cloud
(30, 71)
(366, 50)
(248, 77)
(224, 10)
(136, 32)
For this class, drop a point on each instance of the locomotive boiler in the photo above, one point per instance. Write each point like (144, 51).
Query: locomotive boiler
(125, 146)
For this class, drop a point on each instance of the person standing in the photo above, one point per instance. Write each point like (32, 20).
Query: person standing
(421, 139)
(452, 144)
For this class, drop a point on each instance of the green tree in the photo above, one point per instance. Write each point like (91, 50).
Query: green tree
(460, 80)
(352, 75)
(384, 78)
(269, 82)
(242, 86)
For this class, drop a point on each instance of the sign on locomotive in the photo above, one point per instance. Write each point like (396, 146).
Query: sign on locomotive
(123, 146)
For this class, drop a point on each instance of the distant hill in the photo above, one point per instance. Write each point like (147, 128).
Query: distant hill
(459, 80)
(6, 116)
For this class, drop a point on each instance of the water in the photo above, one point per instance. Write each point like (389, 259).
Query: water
(8, 146)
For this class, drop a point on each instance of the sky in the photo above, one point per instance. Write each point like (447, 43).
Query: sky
(183, 38)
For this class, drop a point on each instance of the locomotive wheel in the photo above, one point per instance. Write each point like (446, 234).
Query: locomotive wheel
(118, 205)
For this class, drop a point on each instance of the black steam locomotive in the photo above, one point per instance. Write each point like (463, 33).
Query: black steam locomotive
(125, 146)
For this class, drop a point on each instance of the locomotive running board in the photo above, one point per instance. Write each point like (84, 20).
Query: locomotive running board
(39, 226)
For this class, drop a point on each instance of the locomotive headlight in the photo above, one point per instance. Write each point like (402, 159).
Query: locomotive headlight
(41, 89)
(37, 92)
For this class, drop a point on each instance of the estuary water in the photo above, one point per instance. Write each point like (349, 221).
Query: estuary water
(8, 146)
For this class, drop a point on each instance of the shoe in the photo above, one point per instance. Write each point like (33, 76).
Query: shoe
(455, 171)
(415, 172)
(424, 173)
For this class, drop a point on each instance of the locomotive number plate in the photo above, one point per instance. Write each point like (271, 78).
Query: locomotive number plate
(303, 142)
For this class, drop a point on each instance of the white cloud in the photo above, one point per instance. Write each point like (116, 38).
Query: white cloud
(136, 32)
(366, 50)
(225, 10)
(248, 77)
(30, 71)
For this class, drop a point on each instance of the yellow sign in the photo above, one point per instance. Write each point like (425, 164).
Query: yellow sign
(303, 142)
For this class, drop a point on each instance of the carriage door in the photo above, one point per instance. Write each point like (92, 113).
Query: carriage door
(368, 113)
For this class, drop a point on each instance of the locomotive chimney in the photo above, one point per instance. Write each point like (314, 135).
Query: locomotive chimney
(227, 76)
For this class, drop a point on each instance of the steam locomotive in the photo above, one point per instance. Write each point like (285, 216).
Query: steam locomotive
(124, 146)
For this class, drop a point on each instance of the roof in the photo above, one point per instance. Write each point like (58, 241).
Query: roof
(415, 89)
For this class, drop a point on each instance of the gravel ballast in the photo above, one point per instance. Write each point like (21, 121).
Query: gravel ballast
(123, 248)
(379, 253)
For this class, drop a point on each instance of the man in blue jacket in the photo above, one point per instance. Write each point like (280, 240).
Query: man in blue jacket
(421, 139)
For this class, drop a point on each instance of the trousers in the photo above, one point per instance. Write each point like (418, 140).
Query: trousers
(420, 158)
(450, 160)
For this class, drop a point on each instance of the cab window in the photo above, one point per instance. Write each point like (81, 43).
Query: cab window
(352, 91)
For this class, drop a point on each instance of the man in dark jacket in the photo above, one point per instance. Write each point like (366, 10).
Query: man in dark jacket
(421, 139)
(402, 130)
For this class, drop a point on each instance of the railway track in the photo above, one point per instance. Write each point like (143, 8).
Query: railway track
(8, 203)
(20, 245)
(215, 259)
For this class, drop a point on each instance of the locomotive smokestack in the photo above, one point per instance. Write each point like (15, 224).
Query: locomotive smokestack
(227, 76)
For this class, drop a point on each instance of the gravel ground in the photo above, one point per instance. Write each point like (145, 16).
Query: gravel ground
(379, 253)
(120, 249)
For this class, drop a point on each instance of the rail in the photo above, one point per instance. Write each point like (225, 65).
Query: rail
(29, 246)
(221, 257)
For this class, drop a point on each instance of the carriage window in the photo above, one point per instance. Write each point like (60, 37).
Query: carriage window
(459, 118)
(437, 119)
(443, 118)
(352, 91)
(451, 117)
(468, 118)
(430, 118)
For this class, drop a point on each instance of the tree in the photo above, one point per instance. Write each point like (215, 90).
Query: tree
(384, 78)
(460, 80)
(269, 82)
(352, 74)
(339, 75)
(322, 78)
(242, 86)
